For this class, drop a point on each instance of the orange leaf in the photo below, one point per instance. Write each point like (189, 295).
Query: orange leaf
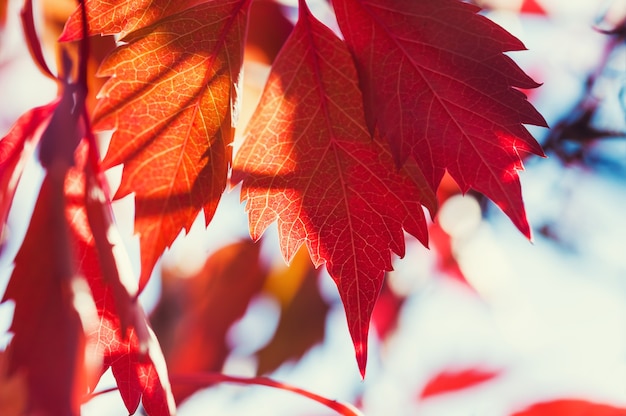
(120, 17)
(309, 162)
(172, 100)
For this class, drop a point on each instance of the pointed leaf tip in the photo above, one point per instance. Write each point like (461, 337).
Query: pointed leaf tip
(326, 181)
(361, 357)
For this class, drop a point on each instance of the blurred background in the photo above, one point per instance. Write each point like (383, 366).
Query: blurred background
(483, 323)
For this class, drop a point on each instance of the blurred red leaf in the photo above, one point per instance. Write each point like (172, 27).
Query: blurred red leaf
(48, 345)
(438, 87)
(194, 314)
(532, 7)
(53, 305)
(448, 381)
(15, 150)
(386, 311)
(572, 407)
(446, 260)
(325, 180)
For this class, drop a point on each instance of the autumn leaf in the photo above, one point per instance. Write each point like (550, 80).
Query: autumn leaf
(211, 302)
(571, 407)
(120, 17)
(48, 345)
(123, 339)
(446, 259)
(4, 4)
(53, 304)
(172, 101)
(16, 148)
(532, 7)
(309, 162)
(438, 87)
(448, 381)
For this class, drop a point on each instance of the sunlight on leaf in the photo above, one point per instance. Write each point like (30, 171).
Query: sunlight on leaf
(172, 101)
(440, 90)
(309, 162)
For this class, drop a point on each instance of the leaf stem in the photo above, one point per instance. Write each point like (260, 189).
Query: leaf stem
(208, 378)
(32, 40)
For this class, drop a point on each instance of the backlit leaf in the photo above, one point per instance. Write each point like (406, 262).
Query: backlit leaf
(121, 17)
(309, 162)
(172, 100)
(46, 323)
(15, 150)
(387, 311)
(440, 90)
(13, 390)
(131, 351)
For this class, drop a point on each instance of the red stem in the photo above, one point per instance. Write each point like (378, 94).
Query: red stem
(32, 40)
(84, 49)
(204, 379)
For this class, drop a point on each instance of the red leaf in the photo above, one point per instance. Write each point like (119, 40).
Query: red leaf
(448, 381)
(195, 340)
(438, 87)
(446, 260)
(48, 344)
(268, 29)
(4, 4)
(532, 7)
(571, 407)
(121, 17)
(14, 153)
(132, 353)
(13, 390)
(309, 162)
(171, 99)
